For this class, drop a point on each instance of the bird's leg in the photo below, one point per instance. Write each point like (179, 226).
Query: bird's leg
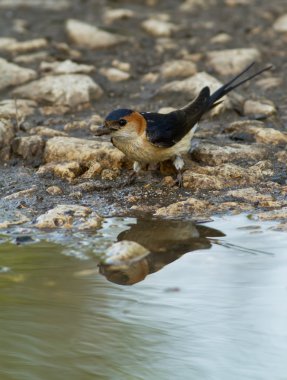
(179, 164)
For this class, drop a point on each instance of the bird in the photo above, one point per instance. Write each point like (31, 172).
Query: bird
(151, 137)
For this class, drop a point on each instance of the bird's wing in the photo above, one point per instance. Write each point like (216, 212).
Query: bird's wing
(165, 130)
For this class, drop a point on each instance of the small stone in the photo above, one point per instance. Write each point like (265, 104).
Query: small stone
(221, 38)
(25, 46)
(158, 28)
(54, 190)
(19, 218)
(83, 151)
(20, 25)
(70, 90)
(94, 170)
(251, 195)
(31, 58)
(112, 15)
(191, 206)
(169, 181)
(216, 155)
(178, 68)
(196, 181)
(281, 156)
(5, 42)
(52, 5)
(66, 67)
(46, 132)
(67, 216)
(21, 194)
(255, 107)
(268, 83)
(124, 251)
(114, 75)
(20, 108)
(110, 175)
(191, 5)
(123, 66)
(65, 170)
(30, 148)
(273, 215)
(280, 24)
(232, 61)
(89, 36)
(13, 75)
(150, 78)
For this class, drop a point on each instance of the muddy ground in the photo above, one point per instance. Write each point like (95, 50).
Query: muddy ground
(193, 30)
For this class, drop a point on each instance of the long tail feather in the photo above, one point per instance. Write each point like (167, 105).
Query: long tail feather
(226, 88)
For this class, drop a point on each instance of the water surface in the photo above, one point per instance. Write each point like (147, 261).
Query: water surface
(217, 312)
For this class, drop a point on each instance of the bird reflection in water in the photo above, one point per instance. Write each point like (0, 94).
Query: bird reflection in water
(164, 241)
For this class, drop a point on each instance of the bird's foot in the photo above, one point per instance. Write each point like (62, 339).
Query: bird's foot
(130, 180)
(179, 179)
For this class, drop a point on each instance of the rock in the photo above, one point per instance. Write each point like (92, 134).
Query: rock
(112, 15)
(158, 28)
(193, 85)
(54, 190)
(86, 152)
(89, 36)
(70, 90)
(5, 42)
(66, 67)
(65, 170)
(31, 58)
(20, 108)
(190, 206)
(123, 66)
(7, 133)
(13, 75)
(196, 181)
(280, 24)
(221, 38)
(251, 195)
(191, 5)
(258, 108)
(69, 216)
(18, 217)
(110, 175)
(94, 170)
(21, 194)
(25, 46)
(258, 131)
(178, 68)
(268, 83)
(273, 215)
(124, 252)
(150, 78)
(216, 155)
(232, 61)
(115, 75)
(281, 156)
(30, 148)
(52, 5)
(46, 132)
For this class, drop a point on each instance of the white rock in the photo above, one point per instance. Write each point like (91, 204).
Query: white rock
(193, 85)
(232, 61)
(267, 83)
(255, 107)
(70, 90)
(20, 108)
(53, 5)
(190, 5)
(89, 36)
(112, 15)
(114, 75)
(178, 68)
(158, 28)
(13, 75)
(66, 67)
(124, 251)
(5, 42)
(31, 58)
(280, 24)
(221, 38)
(24, 46)
(124, 66)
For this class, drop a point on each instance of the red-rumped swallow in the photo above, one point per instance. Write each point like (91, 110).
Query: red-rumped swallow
(149, 137)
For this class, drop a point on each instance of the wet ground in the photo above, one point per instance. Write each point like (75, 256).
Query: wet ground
(217, 312)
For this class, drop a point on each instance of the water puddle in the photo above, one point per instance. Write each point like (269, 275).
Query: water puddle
(208, 301)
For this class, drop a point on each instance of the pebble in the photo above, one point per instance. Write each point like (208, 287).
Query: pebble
(30, 148)
(258, 108)
(123, 66)
(191, 206)
(21, 194)
(69, 216)
(114, 75)
(66, 67)
(112, 15)
(221, 38)
(54, 190)
(25, 46)
(52, 5)
(232, 61)
(69, 90)
(158, 28)
(46, 132)
(31, 58)
(178, 68)
(280, 24)
(10, 108)
(13, 75)
(89, 36)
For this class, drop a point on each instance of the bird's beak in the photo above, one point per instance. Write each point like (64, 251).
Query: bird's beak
(103, 130)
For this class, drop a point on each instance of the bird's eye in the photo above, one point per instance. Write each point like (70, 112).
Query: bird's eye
(122, 122)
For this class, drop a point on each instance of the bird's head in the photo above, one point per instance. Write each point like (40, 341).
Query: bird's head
(123, 123)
